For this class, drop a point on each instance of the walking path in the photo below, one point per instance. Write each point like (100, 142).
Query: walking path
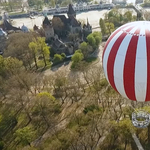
(138, 144)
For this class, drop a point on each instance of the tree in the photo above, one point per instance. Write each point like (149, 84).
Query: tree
(76, 58)
(13, 66)
(57, 58)
(91, 40)
(146, 15)
(65, 3)
(114, 17)
(86, 49)
(20, 48)
(128, 16)
(45, 109)
(102, 26)
(34, 49)
(25, 136)
(43, 49)
(39, 4)
(2, 66)
(109, 28)
(52, 3)
(31, 2)
(63, 55)
(98, 37)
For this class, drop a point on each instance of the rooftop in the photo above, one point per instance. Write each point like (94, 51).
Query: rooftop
(71, 10)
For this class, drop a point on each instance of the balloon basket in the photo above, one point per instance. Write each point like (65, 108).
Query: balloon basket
(140, 119)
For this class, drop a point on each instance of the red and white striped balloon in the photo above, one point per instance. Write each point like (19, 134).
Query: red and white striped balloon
(126, 60)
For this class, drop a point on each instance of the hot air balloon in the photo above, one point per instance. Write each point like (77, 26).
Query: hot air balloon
(126, 60)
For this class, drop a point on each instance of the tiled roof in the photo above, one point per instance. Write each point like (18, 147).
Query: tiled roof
(46, 21)
(74, 22)
(63, 19)
(8, 26)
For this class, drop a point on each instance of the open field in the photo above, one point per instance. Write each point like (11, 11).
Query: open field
(93, 17)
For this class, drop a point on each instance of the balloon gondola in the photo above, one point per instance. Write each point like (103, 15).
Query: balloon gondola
(126, 64)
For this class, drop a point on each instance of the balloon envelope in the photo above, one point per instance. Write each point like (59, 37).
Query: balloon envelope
(126, 60)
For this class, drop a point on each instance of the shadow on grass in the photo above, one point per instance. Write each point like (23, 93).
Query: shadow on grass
(57, 65)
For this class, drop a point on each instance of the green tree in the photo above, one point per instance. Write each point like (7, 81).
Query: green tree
(39, 4)
(65, 2)
(102, 26)
(57, 58)
(34, 49)
(63, 55)
(52, 3)
(2, 66)
(20, 48)
(98, 37)
(45, 109)
(91, 40)
(13, 66)
(114, 17)
(25, 135)
(31, 2)
(109, 28)
(86, 49)
(76, 58)
(43, 49)
(128, 16)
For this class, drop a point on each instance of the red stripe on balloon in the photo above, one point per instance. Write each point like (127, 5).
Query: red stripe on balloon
(110, 38)
(129, 67)
(148, 64)
(112, 56)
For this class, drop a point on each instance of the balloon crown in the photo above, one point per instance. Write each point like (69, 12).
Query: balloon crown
(140, 119)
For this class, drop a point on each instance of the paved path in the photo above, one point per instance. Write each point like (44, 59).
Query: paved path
(138, 144)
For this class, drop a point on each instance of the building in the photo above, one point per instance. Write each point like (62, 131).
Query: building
(87, 29)
(6, 25)
(120, 2)
(81, 7)
(48, 28)
(60, 27)
(139, 1)
(24, 29)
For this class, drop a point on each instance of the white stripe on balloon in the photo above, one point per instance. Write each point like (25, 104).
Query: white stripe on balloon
(141, 67)
(119, 63)
(108, 49)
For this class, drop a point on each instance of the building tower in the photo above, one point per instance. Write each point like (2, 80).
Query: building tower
(89, 26)
(71, 13)
(48, 28)
(87, 29)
